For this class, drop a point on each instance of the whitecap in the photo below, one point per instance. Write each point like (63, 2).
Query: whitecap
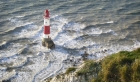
(110, 22)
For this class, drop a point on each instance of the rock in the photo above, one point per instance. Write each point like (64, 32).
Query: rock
(71, 77)
(85, 55)
(47, 42)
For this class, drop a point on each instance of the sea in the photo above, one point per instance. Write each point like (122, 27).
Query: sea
(97, 27)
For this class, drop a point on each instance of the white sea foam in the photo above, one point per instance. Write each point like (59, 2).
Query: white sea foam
(110, 22)
(110, 31)
(19, 16)
(11, 50)
(94, 31)
(6, 75)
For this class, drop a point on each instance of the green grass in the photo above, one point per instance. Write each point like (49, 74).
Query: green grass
(49, 79)
(69, 70)
(120, 67)
(89, 68)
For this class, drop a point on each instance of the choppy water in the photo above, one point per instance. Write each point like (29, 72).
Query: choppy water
(100, 27)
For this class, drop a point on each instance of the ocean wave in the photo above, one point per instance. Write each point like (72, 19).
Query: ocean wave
(5, 76)
(134, 13)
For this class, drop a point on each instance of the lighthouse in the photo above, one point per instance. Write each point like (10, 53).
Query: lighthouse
(47, 41)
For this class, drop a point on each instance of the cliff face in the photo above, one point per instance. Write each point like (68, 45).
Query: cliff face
(71, 78)
(83, 73)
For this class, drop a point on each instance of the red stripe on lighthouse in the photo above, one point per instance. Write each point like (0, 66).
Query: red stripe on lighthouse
(46, 29)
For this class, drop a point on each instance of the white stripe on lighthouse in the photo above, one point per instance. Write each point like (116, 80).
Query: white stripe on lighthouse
(46, 22)
(45, 35)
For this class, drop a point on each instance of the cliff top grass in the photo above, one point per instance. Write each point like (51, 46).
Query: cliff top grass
(69, 70)
(120, 67)
(90, 67)
(123, 66)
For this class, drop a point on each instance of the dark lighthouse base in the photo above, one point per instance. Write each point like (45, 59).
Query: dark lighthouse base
(47, 42)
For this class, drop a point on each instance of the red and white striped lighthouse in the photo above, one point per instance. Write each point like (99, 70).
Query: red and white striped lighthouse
(47, 41)
(46, 24)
